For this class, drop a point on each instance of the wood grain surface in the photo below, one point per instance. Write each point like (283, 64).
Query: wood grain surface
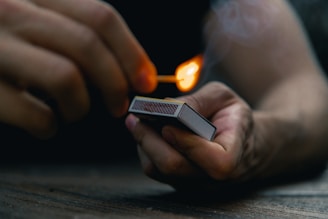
(122, 191)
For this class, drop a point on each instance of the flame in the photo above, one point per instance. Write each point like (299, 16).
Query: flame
(187, 73)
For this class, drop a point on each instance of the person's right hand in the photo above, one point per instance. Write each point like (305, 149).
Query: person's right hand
(53, 49)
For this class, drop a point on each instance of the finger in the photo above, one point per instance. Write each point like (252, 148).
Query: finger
(148, 167)
(108, 23)
(211, 157)
(18, 108)
(146, 163)
(79, 43)
(174, 179)
(29, 67)
(210, 98)
(165, 158)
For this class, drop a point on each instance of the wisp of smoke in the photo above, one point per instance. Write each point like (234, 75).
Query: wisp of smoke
(238, 21)
(246, 21)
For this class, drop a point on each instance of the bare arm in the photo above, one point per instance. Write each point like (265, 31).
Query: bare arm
(273, 67)
(275, 121)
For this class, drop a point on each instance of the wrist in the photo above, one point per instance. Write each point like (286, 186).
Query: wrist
(277, 140)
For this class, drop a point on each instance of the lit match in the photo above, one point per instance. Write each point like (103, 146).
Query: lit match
(186, 74)
(167, 78)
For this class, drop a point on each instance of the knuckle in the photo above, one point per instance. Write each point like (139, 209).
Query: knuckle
(219, 86)
(224, 169)
(139, 133)
(116, 94)
(67, 85)
(41, 123)
(64, 75)
(88, 39)
(149, 169)
(119, 87)
(172, 166)
(104, 16)
(193, 101)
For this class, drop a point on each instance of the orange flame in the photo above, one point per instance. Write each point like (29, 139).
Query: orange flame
(186, 74)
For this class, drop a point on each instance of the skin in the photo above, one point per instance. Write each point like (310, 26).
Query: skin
(274, 121)
(52, 52)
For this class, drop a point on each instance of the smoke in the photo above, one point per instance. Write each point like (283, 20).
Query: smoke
(239, 21)
(247, 22)
(242, 20)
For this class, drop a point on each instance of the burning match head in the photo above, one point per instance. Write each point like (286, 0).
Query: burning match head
(186, 74)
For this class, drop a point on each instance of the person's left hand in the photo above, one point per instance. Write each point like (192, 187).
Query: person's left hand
(183, 159)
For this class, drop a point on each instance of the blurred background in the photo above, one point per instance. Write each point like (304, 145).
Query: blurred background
(314, 15)
(171, 33)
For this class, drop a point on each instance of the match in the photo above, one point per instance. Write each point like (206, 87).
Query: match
(186, 74)
(167, 78)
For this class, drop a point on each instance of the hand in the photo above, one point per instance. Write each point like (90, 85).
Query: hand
(52, 51)
(180, 158)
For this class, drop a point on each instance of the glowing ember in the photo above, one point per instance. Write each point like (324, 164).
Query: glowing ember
(186, 74)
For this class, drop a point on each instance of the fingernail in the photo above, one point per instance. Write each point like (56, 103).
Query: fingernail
(131, 122)
(169, 136)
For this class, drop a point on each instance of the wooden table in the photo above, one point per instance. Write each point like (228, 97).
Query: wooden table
(120, 190)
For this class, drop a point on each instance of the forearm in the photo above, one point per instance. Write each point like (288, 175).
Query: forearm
(291, 124)
(275, 71)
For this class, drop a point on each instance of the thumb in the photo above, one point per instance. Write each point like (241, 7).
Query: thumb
(210, 98)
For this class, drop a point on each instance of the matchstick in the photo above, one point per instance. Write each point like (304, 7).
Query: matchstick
(166, 78)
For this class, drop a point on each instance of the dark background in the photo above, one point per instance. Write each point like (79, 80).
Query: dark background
(170, 32)
(314, 16)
